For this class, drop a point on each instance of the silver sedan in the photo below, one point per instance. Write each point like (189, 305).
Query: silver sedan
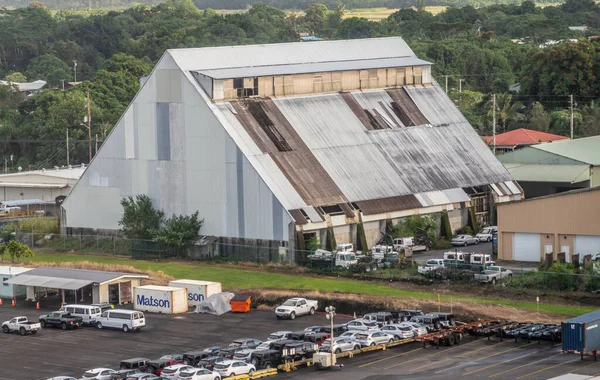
(399, 331)
(340, 345)
(464, 240)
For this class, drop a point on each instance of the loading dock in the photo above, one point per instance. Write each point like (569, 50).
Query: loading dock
(84, 286)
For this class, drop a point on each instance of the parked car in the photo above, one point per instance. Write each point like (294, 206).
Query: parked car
(229, 352)
(446, 319)
(295, 307)
(127, 320)
(233, 368)
(123, 374)
(143, 376)
(135, 363)
(198, 374)
(156, 366)
(596, 257)
(298, 335)
(244, 354)
(193, 357)
(177, 357)
(265, 359)
(314, 329)
(22, 325)
(487, 233)
(245, 343)
(172, 372)
(403, 315)
(59, 318)
(88, 313)
(350, 334)
(431, 322)
(372, 338)
(381, 318)
(340, 344)
(464, 240)
(338, 329)
(399, 331)
(211, 361)
(299, 350)
(317, 338)
(493, 274)
(279, 335)
(62, 378)
(97, 374)
(431, 265)
(359, 324)
(417, 328)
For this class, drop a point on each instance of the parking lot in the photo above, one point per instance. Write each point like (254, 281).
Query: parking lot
(54, 352)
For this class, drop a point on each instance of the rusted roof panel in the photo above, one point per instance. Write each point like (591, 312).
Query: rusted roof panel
(405, 107)
(378, 104)
(347, 210)
(380, 206)
(298, 217)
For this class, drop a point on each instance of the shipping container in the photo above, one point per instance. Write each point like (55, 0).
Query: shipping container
(582, 334)
(160, 299)
(197, 291)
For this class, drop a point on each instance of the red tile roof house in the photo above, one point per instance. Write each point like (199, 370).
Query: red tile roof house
(509, 141)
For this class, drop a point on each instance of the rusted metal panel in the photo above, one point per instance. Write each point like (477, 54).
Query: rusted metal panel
(381, 206)
(272, 132)
(298, 217)
(347, 210)
(405, 108)
(378, 103)
(357, 110)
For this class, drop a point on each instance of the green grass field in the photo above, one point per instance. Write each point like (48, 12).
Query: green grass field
(248, 279)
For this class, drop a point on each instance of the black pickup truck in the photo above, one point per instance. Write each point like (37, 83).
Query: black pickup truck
(62, 319)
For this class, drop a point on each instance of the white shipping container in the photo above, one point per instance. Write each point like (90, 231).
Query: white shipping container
(160, 299)
(197, 291)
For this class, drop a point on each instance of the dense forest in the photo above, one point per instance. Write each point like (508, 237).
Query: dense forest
(484, 51)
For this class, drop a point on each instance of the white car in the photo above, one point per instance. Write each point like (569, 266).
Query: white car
(487, 233)
(172, 372)
(97, 374)
(399, 331)
(244, 354)
(350, 334)
(198, 374)
(340, 344)
(417, 328)
(361, 325)
(229, 368)
(372, 338)
(278, 335)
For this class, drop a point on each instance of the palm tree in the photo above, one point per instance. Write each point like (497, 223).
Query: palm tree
(506, 110)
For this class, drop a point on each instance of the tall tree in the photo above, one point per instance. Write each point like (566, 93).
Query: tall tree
(538, 118)
(49, 68)
(506, 110)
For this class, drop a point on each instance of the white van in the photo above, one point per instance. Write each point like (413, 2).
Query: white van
(89, 313)
(128, 320)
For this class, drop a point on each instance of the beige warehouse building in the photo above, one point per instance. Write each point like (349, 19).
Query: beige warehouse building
(566, 222)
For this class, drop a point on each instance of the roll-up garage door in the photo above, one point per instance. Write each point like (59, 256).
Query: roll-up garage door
(526, 247)
(587, 245)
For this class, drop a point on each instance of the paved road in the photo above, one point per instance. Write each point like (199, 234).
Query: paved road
(54, 352)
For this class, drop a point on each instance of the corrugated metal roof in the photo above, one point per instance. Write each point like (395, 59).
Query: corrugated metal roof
(523, 136)
(306, 68)
(549, 173)
(224, 57)
(48, 282)
(586, 150)
(80, 274)
(364, 164)
(435, 105)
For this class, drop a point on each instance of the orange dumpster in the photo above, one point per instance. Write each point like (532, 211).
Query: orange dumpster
(240, 304)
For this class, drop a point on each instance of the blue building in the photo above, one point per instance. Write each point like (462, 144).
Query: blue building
(10, 290)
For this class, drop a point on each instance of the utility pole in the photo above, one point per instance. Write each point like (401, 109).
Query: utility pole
(571, 116)
(96, 152)
(68, 160)
(494, 124)
(460, 85)
(75, 70)
(446, 84)
(89, 125)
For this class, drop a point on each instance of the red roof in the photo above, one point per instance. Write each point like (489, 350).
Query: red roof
(523, 136)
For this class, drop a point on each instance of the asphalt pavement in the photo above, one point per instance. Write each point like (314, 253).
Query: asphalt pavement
(53, 352)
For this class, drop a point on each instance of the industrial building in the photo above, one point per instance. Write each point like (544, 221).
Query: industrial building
(82, 285)
(566, 222)
(45, 185)
(9, 290)
(555, 167)
(281, 142)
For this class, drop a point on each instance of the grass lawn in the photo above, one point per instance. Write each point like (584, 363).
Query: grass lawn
(248, 279)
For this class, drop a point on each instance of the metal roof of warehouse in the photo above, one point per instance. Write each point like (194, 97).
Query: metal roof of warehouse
(67, 278)
(549, 173)
(585, 150)
(307, 68)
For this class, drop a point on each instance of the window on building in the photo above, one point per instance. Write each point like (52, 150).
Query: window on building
(245, 87)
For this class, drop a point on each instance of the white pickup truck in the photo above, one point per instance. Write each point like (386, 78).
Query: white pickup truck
(493, 274)
(431, 264)
(22, 325)
(295, 307)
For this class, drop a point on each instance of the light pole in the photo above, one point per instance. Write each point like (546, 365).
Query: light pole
(330, 310)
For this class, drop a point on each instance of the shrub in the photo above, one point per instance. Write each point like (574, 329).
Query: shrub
(42, 225)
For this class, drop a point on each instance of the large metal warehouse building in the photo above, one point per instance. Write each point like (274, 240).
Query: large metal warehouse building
(272, 142)
(566, 222)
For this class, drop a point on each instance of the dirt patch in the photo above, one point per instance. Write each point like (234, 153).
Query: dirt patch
(351, 304)
(155, 278)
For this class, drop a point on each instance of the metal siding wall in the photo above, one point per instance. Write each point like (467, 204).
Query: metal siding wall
(303, 83)
(231, 175)
(177, 132)
(129, 125)
(350, 80)
(265, 86)
(278, 211)
(146, 130)
(239, 165)
(163, 131)
(218, 91)
(570, 214)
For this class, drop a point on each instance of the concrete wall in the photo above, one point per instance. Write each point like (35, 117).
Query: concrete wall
(170, 146)
(17, 193)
